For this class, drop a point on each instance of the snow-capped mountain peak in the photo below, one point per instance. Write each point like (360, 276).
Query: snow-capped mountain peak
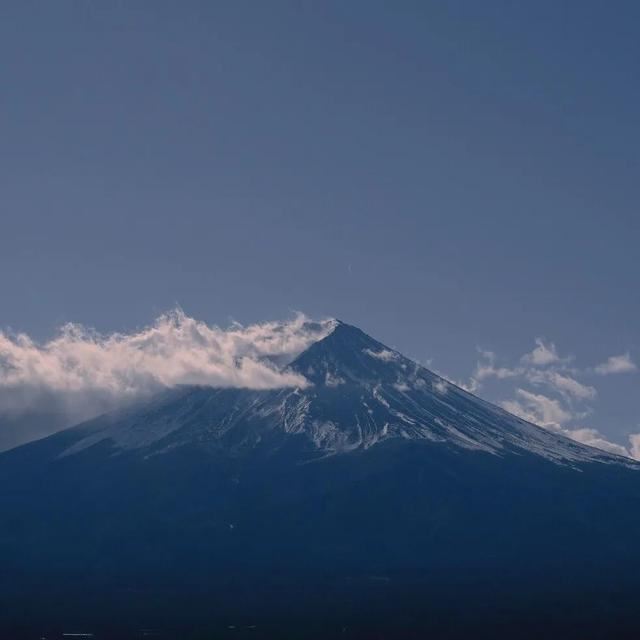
(360, 394)
(349, 354)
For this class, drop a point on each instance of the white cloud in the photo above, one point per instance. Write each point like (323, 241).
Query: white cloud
(543, 354)
(538, 408)
(489, 371)
(486, 368)
(518, 409)
(547, 413)
(176, 349)
(564, 384)
(617, 364)
(384, 354)
(594, 438)
(471, 387)
(84, 373)
(537, 371)
(570, 385)
(543, 367)
(634, 445)
(440, 386)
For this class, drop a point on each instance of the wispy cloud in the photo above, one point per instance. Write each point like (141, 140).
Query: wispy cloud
(550, 414)
(486, 368)
(538, 408)
(543, 354)
(594, 438)
(384, 354)
(562, 383)
(547, 391)
(634, 445)
(535, 365)
(617, 364)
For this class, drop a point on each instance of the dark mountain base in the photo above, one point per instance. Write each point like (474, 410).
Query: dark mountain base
(405, 539)
(353, 607)
(378, 502)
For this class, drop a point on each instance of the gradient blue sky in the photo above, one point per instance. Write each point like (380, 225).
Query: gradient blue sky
(445, 175)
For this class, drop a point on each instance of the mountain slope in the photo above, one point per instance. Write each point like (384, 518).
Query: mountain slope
(377, 497)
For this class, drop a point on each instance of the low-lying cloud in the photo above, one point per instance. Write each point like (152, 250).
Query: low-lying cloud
(80, 373)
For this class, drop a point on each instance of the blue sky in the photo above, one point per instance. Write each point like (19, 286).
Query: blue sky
(447, 176)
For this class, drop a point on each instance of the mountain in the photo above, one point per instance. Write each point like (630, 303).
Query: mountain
(361, 393)
(377, 499)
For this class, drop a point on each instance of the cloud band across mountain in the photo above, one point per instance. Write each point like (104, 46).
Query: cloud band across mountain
(81, 373)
